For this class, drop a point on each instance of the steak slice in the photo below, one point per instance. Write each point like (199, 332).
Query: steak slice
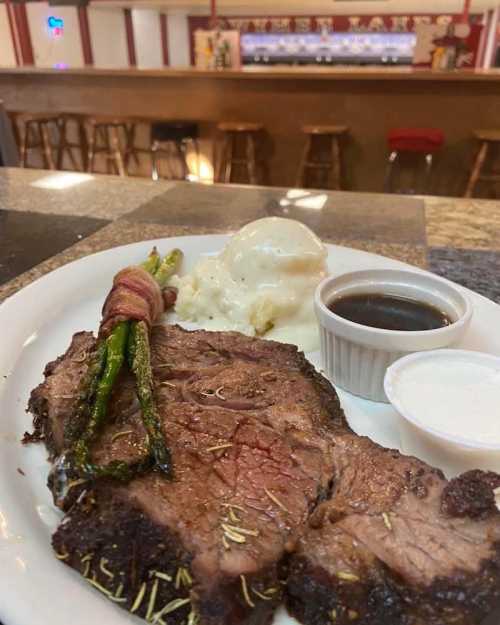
(248, 422)
(397, 544)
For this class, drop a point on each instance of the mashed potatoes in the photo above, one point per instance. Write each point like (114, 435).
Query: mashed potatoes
(261, 284)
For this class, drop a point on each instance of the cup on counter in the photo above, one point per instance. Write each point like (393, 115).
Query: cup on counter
(356, 357)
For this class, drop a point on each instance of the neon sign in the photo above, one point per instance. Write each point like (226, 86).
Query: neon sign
(56, 26)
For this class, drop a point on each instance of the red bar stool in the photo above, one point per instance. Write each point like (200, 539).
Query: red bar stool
(412, 142)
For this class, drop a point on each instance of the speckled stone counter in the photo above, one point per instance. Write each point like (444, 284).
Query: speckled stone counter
(48, 219)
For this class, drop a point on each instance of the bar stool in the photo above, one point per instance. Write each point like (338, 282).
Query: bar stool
(170, 139)
(239, 149)
(412, 142)
(103, 137)
(33, 135)
(9, 151)
(489, 139)
(173, 140)
(322, 140)
(71, 142)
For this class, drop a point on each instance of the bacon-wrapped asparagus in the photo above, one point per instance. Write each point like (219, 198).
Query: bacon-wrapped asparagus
(130, 309)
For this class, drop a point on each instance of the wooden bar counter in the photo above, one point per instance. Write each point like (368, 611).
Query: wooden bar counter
(368, 100)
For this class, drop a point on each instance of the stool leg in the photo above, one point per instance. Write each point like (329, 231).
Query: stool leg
(15, 130)
(154, 160)
(83, 141)
(116, 151)
(251, 163)
(61, 143)
(198, 160)
(23, 144)
(336, 165)
(63, 146)
(477, 168)
(301, 174)
(92, 136)
(180, 148)
(130, 151)
(103, 138)
(32, 140)
(228, 165)
(389, 173)
(69, 148)
(220, 158)
(428, 172)
(46, 146)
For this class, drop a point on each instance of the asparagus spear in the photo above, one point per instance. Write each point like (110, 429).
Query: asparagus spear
(141, 366)
(139, 356)
(115, 355)
(168, 267)
(129, 339)
(77, 424)
(153, 262)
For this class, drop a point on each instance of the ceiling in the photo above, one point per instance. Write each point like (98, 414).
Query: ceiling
(308, 7)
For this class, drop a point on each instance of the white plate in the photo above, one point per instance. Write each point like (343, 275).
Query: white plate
(37, 324)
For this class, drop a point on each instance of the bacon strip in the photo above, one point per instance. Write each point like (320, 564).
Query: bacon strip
(135, 295)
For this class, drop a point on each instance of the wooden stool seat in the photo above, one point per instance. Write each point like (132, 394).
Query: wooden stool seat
(322, 139)
(33, 117)
(240, 127)
(109, 120)
(489, 140)
(487, 135)
(32, 133)
(325, 130)
(239, 149)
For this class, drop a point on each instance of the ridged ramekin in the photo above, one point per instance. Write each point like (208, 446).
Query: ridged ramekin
(356, 357)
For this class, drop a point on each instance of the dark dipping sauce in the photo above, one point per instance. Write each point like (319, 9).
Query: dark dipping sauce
(389, 312)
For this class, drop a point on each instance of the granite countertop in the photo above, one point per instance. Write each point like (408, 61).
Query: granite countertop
(50, 218)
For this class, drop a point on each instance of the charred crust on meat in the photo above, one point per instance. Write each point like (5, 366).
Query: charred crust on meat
(471, 495)
(121, 546)
(314, 598)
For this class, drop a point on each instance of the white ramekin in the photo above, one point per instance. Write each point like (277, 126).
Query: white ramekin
(356, 357)
(452, 453)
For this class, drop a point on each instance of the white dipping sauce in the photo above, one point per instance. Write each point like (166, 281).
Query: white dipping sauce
(454, 395)
(261, 284)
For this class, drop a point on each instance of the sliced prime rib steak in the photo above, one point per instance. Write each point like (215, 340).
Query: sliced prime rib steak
(397, 544)
(271, 488)
(248, 423)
